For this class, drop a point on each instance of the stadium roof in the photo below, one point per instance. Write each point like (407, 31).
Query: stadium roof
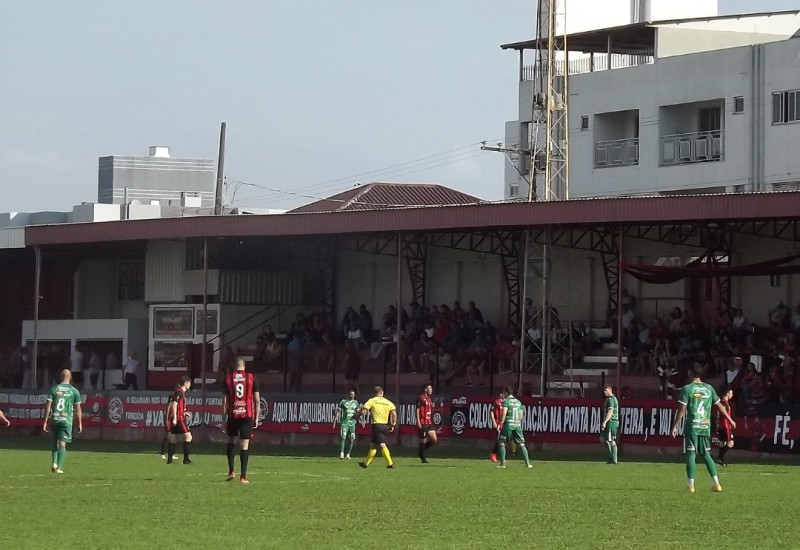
(474, 217)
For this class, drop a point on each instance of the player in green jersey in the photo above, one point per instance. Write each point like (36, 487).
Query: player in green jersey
(610, 425)
(510, 427)
(346, 414)
(695, 402)
(64, 400)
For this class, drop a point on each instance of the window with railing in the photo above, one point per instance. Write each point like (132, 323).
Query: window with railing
(785, 107)
(617, 152)
(693, 147)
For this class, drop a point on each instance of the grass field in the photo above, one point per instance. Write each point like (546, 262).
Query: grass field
(124, 496)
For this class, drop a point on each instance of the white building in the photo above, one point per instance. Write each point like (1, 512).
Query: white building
(699, 105)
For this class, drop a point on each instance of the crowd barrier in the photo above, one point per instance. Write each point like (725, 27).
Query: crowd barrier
(558, 420)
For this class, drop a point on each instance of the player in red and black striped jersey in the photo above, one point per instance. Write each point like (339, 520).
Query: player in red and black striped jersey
(427, 431)
(497, 411)
(241, 404)
(724, 429)
(176, 419)
(167, 427)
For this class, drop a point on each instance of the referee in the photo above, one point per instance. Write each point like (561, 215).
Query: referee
(384, 419)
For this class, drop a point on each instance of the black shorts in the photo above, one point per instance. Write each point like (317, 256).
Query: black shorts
(179, 429)
(425, 429)
(241, 427)
(724, 435)
(379, 433)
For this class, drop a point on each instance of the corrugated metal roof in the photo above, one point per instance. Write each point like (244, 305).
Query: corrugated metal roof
(519, 215)
(380, 196)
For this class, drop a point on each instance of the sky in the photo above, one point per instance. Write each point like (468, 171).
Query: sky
(318, 96)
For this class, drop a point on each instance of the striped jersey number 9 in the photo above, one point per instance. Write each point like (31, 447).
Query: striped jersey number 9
(239, 390)
(700, 410)
(60, 404)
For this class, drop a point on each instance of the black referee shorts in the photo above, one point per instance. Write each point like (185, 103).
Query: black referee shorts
(379, 433)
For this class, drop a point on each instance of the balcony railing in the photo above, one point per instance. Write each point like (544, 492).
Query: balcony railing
(618, 152)
(693, 147)
(600, 62)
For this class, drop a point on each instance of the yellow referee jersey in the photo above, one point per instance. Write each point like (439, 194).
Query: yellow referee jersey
(379, 408)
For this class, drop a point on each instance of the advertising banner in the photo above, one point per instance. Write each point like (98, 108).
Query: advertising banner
(642, 421)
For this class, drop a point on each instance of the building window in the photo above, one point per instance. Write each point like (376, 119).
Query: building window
(131, 280)
(585, 122)
(513, 190)
(786, 107)
(738, 105)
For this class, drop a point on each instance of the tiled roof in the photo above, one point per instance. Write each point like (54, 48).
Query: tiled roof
(382, 196)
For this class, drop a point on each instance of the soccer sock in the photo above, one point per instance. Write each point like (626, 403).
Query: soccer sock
(614, 452)
(710, 465)
(370, 455)
(715, 479)
(244, 456)
(164, 446)
(524, 450)
(722, 452)
(691, 467)
(429, 444)
(422, 448)
(55, 452)
(387, 456)
(341, 446)
(350, 446)
(607, 445)
(170, 451)
(62, 452)
(186, 450)
(502, 453)
(229, 453)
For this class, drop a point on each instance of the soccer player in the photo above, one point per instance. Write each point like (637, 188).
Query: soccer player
(63, 401)
(346, 414)
(510, 427)
(610, 425)
(179, 430)
(427, 433)
(724, 429)
(497, 411)
(695, 402)
(384, 419)
(4, 419)
(167, 428)
(241, 402)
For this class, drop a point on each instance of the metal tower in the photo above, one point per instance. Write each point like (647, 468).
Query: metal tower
(548, 140)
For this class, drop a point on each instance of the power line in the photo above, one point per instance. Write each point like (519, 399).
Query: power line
(383, 174)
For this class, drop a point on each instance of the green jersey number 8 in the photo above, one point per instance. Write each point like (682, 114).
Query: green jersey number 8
(60, 404)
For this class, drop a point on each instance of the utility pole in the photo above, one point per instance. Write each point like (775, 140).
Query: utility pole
(220, 171)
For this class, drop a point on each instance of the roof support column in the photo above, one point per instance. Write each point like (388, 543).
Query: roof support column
(416, 256)
(326, 264)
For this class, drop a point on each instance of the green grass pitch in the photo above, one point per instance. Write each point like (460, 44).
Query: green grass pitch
(116, 495)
